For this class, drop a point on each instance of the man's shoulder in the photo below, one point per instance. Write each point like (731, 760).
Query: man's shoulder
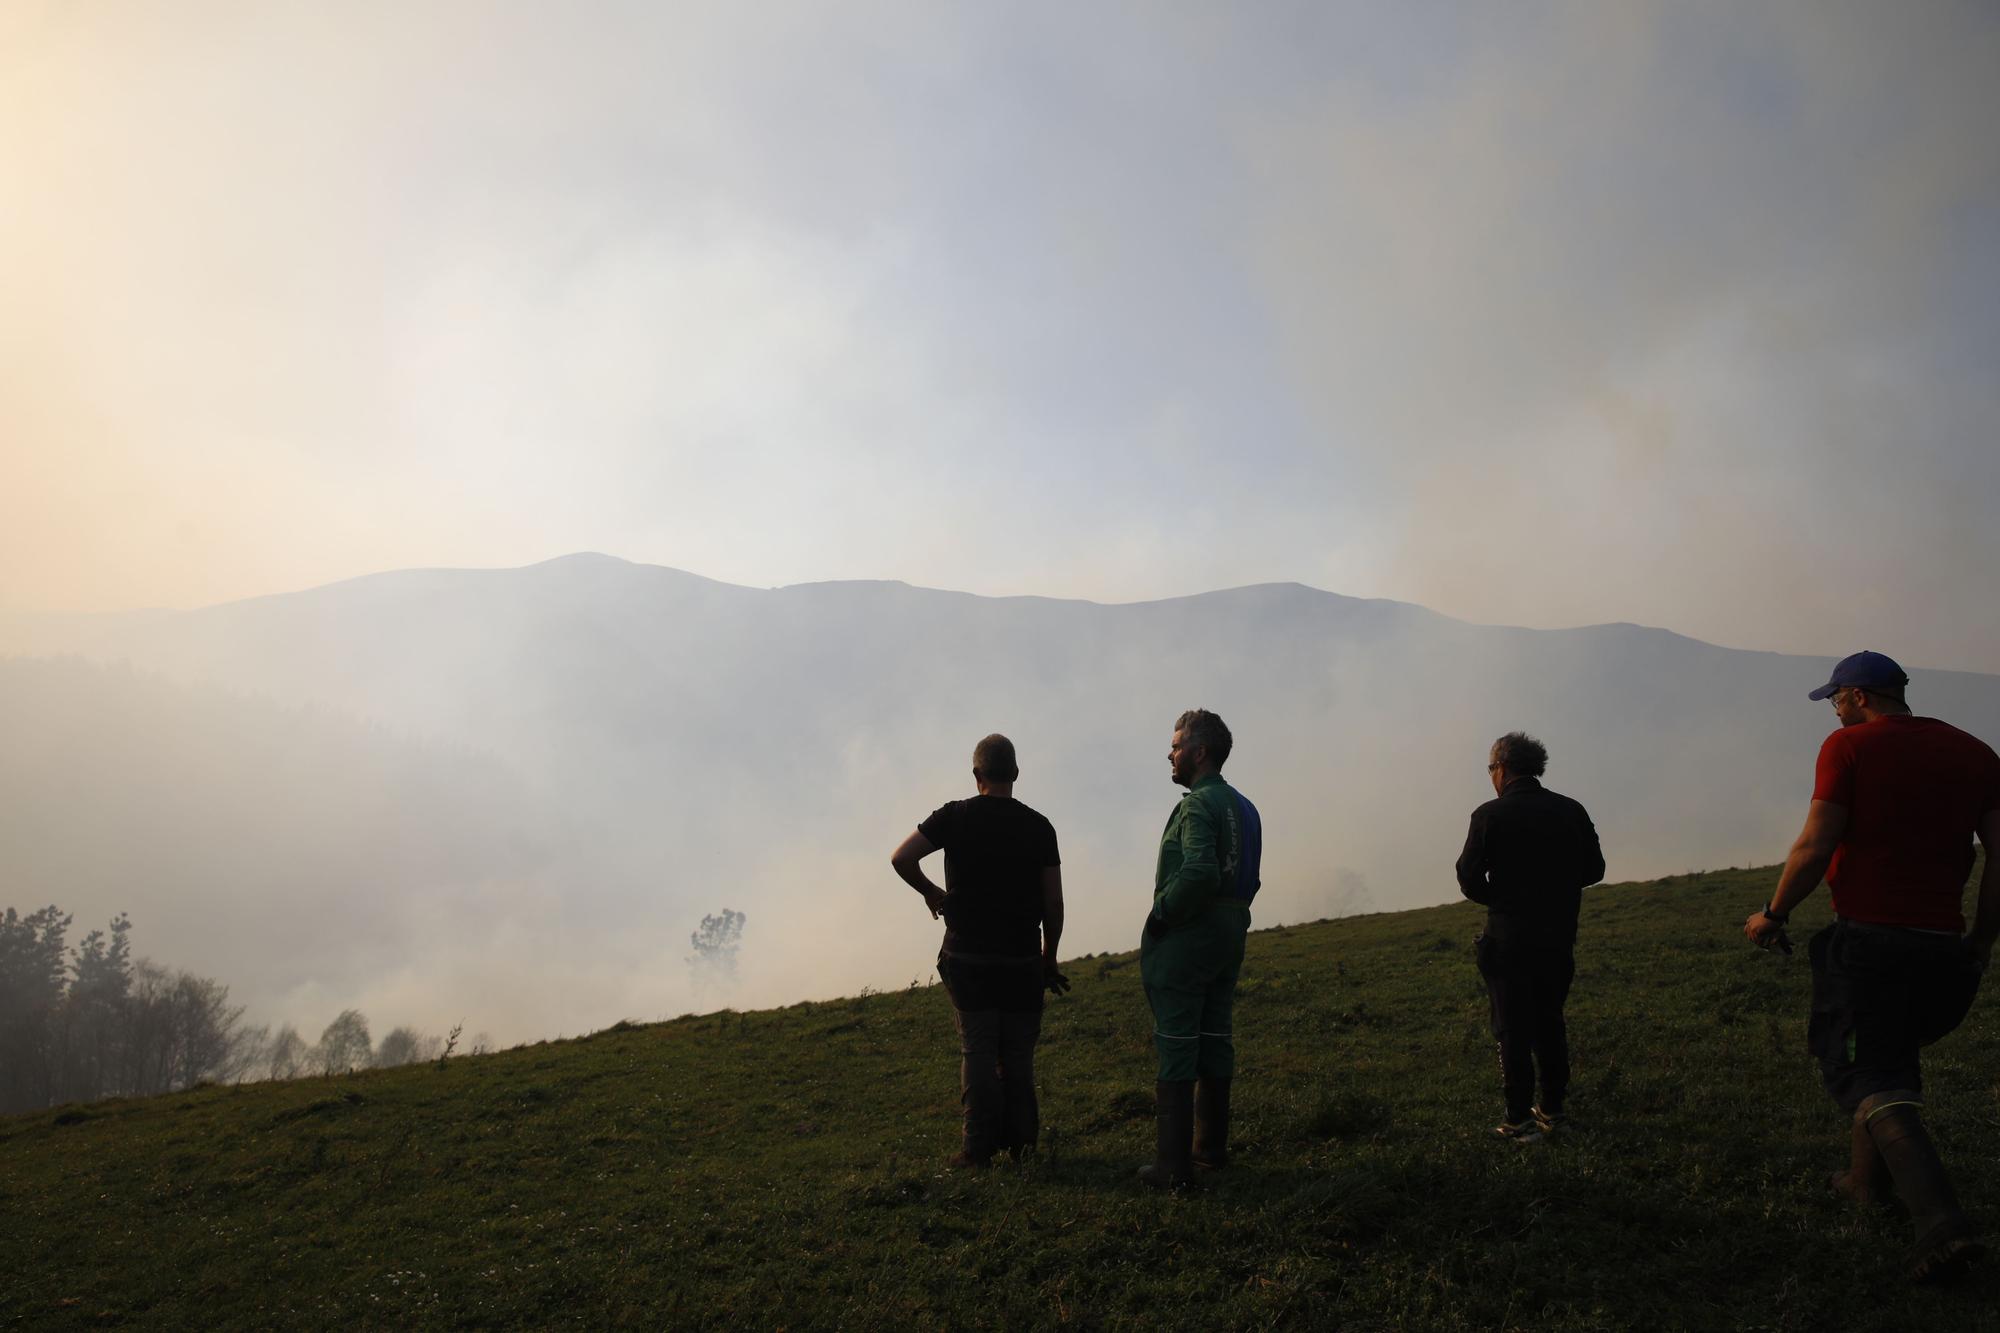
(1568, 802)
(1944, 733)
(1029, 814)
(1909, 734)
(1216, 796)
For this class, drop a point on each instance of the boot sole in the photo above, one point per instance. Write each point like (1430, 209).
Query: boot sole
(1153, 1178)
(1942, 1263)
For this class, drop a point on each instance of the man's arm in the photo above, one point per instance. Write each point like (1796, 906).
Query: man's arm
(1200, 873)
(1805, 866)
(1986, 918)
(1472, 880)
(1590, 867)
(1052, 914)
(905, 858)
(1052, 924)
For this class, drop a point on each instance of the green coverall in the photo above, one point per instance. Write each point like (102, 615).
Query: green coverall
(1192, 949)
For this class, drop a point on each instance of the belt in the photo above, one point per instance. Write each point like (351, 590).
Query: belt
(1852, 924)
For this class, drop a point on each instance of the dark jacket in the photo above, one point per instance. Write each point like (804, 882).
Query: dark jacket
(1527, 858)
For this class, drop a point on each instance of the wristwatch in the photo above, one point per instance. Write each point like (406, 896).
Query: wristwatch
(1780, 917)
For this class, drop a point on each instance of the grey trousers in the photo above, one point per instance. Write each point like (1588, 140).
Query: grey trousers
(996, 1079)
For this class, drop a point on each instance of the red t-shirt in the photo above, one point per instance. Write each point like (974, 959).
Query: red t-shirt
(1914, 789)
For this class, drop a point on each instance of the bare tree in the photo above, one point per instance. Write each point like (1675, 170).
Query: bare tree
(287, 1053)
(345, 1045)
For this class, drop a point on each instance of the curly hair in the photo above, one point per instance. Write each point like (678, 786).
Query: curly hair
(1210, 732)
(1521, 754)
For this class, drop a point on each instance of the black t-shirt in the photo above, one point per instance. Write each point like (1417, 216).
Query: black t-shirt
(995, 850)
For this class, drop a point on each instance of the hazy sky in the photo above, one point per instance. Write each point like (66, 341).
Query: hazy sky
(1546, 314)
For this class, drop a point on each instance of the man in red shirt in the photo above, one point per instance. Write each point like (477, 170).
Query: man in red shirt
(1897, 800)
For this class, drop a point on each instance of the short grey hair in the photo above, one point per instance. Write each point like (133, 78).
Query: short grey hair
(1200, 727)
(1521, 754)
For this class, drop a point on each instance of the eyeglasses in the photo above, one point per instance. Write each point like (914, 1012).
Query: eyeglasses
(1834, 698)
(1491, 767)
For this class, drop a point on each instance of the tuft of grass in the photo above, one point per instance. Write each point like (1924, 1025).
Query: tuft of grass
(1348, 1115)
(786, 1168)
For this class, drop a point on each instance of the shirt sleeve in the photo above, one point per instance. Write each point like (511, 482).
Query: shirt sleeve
(1590, 852)
(1472, 861)
(1050, 855)
(940, 825)
(1833, 775)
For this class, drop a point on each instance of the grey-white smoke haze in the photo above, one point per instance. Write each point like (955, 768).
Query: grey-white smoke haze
(1678, 311)
(508, 796)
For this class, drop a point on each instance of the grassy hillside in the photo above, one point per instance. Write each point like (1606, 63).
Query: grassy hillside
(784, 1168)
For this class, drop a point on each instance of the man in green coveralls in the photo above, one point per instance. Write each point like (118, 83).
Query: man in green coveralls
(1192, 950)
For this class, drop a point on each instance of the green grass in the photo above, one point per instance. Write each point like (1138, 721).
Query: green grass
(784, 1168)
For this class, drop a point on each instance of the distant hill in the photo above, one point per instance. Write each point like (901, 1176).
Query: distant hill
(785, 1168)
(702, 745)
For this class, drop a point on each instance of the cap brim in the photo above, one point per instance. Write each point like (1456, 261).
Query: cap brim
(1823, 691)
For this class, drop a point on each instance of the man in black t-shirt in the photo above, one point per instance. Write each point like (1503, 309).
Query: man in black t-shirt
(1003, 912)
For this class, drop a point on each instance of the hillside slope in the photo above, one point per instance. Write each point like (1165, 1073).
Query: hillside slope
(784, 1168)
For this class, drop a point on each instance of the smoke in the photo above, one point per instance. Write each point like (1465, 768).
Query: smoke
(508, 797)
(1663, 312)
(1657, 313)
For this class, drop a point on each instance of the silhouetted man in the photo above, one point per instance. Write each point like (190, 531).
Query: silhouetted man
(1896, 802)
(1192, 950)
(1528, 857)
(1003, 911)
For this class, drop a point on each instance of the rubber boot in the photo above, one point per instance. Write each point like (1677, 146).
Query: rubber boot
(1946, 1239)
(1211, 1123)
(1172, 1165)
(1866, 1179)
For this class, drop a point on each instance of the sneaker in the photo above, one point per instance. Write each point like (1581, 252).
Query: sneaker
(1518, 1131)
(1550, 1124)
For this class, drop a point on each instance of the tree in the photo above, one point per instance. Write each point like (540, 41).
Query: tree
(31, 991)
(715, 948)
(286, 1056)
(213, 1042)
(345, 1045)
(406, 1046)
(95, 1012)
(1349, 895)
(181, 1029)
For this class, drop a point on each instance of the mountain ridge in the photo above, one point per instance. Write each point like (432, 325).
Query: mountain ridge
(706, 745)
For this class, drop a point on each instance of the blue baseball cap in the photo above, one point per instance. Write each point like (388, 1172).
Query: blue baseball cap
(1867, 671)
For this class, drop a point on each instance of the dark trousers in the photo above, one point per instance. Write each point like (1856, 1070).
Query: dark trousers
(1527, 984)
(997, 1008)
(1880, 995)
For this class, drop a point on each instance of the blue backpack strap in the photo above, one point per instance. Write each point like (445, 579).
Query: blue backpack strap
(1250, 856)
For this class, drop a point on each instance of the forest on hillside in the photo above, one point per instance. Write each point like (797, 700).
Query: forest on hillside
(92, 1020)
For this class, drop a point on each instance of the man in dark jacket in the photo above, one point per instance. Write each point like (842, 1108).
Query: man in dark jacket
(1002, 906)
(1528, 857)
